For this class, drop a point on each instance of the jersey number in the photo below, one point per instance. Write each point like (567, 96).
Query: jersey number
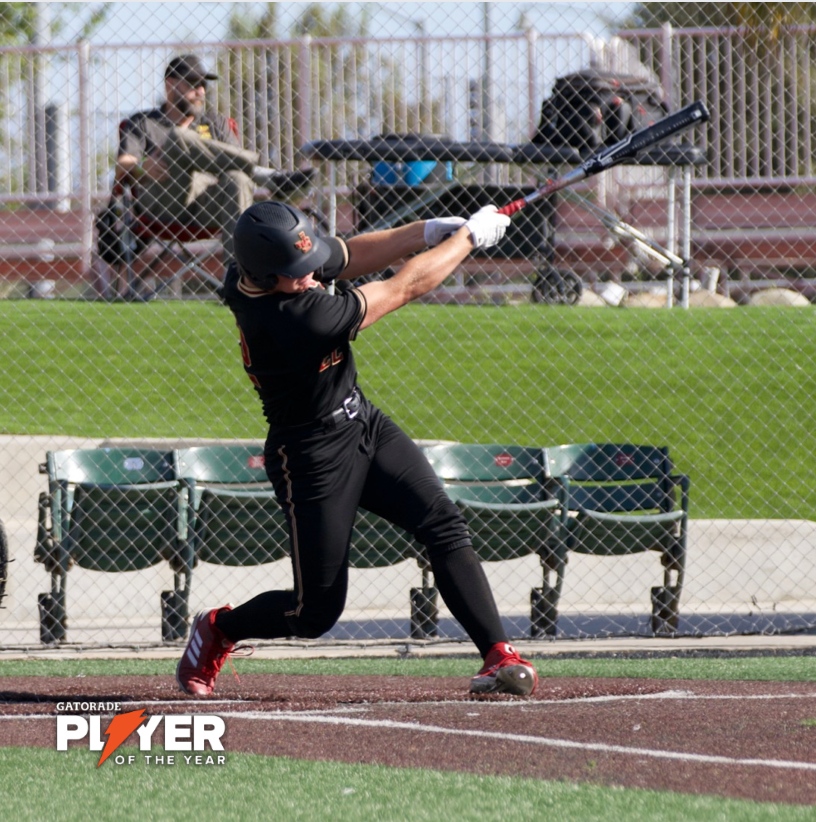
(335, 358)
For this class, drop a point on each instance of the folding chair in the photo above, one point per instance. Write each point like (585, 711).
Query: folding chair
(142, 232)
(106, 509)
(501, 491)
(626, 499)
(231, 516)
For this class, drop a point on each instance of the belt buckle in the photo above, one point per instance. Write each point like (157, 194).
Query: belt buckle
(346, 402)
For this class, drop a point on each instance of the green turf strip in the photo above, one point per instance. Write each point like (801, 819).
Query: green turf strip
(766, 668)
(68, 786)
(730, 392)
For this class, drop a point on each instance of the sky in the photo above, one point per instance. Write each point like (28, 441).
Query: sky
(158, 22)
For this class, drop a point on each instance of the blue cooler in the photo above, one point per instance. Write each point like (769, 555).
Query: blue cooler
(418, 171)
(386, 174)
(412, 173)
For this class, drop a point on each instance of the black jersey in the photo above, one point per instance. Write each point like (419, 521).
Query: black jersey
(146, 131)
(296, 348)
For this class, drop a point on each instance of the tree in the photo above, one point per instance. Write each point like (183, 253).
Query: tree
(348, 88)
(24, 24)
(19, 21)
(761, 49)
(770, 17)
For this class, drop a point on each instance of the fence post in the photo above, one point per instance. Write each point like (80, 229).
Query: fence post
(686, 252)
(667, 65)
(533, 104)
(85, 166)
(305, 89)
(58, 155)
(671, 229)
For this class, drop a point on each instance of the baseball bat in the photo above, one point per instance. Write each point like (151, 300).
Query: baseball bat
(619, 228)
(614, 155)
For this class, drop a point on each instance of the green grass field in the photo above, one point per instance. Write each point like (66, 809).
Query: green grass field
(730, 392)
(734, 667)
(251, 787)
(67, 786)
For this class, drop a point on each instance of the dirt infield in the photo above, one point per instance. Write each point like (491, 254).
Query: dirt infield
(746, 740)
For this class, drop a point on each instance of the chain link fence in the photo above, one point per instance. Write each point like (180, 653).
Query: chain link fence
(664, 303)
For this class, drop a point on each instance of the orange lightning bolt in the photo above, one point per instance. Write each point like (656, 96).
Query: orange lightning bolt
(120, 728)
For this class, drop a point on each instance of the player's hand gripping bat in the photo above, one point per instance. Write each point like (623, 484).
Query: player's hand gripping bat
(619, 153)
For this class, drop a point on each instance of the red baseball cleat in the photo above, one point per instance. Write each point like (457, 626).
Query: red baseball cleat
(504, 672)
(206, 652)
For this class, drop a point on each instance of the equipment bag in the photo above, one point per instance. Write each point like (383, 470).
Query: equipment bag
(109, 233)
(591, 109)
(111, 237)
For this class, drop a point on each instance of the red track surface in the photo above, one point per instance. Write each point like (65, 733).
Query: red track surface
(749, 740)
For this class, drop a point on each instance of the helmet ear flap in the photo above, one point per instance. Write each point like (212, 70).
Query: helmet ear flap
(267, 281)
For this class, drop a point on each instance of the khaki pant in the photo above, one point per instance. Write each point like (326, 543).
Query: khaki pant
(209, 185)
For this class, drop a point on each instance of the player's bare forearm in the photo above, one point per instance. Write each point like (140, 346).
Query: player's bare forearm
(428, 270)
(379, 249)
(418, 276)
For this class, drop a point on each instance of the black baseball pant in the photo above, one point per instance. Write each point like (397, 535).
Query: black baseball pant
(321, 474)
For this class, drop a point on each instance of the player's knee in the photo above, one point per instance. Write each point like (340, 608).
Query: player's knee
(436, 550)
(444, 525)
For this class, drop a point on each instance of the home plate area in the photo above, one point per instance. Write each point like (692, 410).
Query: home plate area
(748, 740)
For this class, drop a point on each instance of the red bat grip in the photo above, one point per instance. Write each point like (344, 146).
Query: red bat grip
(511, 208)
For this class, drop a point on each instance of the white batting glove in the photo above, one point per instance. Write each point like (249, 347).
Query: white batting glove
(487, 226)
(440, 229)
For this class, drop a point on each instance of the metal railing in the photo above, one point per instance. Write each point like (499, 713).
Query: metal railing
(760, 90)
(62, 104)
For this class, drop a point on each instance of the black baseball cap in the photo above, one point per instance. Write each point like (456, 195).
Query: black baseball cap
(188, 67)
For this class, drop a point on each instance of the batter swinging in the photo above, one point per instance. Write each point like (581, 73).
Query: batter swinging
(329, 450)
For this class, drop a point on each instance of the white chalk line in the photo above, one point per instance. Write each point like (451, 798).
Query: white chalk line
(124, 707)
(667, 695)
(356, 707)
(203, 703)
(597, 747)
(525, 703)
(198, 704)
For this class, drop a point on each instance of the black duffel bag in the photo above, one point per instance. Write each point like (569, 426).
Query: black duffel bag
(592, 109)
(111, 236)
(109, 233)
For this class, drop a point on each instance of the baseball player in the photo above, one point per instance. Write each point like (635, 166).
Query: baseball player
(329, 449)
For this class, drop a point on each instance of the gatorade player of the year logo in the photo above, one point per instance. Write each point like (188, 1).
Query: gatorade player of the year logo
(187, 739)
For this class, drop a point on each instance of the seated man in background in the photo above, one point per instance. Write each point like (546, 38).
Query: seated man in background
(188, 162)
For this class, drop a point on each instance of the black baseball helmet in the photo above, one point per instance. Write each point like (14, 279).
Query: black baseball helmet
(277, 240)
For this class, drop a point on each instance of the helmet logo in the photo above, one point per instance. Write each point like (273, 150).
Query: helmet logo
(304, 242)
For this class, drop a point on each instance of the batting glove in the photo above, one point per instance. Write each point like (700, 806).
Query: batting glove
(440, 229)
(487, 226)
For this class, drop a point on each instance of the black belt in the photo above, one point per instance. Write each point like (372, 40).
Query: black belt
(347, 411)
